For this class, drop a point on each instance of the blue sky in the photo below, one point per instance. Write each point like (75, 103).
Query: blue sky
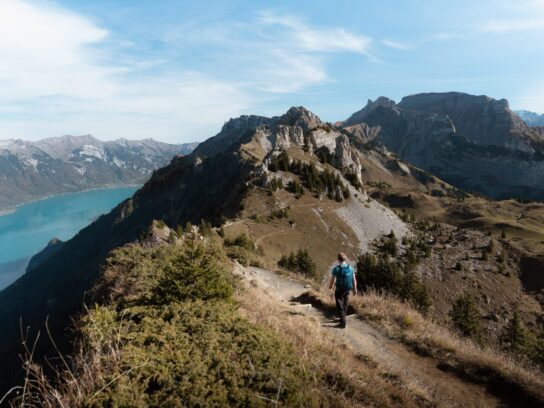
(176, 70)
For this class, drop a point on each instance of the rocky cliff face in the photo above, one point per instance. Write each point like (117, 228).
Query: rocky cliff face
(360, 116)
(32, 170)
(480, 119)
(473, 142)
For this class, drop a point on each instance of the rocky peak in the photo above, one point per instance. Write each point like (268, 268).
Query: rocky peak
(242, 123)
(234, 132)
(300, 116)
(360, 116)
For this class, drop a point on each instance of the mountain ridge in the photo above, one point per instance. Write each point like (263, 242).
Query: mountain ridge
(64, 164)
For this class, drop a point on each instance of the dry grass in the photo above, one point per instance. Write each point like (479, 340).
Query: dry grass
(341, 377)
(75, 380)
(460, 355)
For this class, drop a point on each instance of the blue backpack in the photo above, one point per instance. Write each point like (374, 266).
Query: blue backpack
(344, 277)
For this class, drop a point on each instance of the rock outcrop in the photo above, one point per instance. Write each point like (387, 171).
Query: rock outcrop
(480, 119)
(473, 142)
(360, 116)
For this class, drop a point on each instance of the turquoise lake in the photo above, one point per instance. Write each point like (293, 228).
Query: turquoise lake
(27, 230)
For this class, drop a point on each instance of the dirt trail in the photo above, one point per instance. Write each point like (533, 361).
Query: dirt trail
(421, 372)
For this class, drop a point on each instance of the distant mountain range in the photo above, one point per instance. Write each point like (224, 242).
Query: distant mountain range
(32, 170)
(531, 118)
(473, 142)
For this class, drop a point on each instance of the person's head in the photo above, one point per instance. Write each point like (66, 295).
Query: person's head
(342, 257)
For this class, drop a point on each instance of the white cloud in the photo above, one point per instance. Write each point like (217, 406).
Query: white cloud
(56, 74)
(44, 52)
(505, 26)
(397, 44)
(326, 40)
(59, 75)
(277, 53)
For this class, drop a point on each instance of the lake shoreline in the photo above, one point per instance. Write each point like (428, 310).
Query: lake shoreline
(11, 210)
(26, 231)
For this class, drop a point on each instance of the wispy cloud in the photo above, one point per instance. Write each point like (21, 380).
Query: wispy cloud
(274, 53)
(523, 15)
(397, 44)
(323, 40)
(520, 24)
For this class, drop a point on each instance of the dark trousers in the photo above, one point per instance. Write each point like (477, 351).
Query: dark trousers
(342, 299)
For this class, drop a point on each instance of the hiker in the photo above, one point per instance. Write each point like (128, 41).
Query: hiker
(344, 279)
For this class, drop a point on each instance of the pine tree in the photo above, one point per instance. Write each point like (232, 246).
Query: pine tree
(490, 246)
(366, 270)
(305, 264)
(466, 316)
(514, 337)
(390, 245)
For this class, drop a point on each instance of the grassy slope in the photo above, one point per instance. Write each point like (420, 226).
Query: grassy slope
(312, 223)
(166, 331)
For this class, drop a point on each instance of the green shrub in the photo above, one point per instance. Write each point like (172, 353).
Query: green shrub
(198, 352)
(170, 335)
(242, 255)
(390, 245)
(276, 184)
(296, 188)
(279, 162)
(243, 241)
(193, 273)
(384, 274)
(243, 249)
(466, 316)
(301, 262)
(413, 290)
(281, 213)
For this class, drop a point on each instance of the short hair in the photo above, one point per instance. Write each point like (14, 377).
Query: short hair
(342, 257)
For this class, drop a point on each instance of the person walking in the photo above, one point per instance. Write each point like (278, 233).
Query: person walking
(344, 280)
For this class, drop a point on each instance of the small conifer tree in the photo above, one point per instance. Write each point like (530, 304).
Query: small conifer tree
(515, 337)
(466, 316)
